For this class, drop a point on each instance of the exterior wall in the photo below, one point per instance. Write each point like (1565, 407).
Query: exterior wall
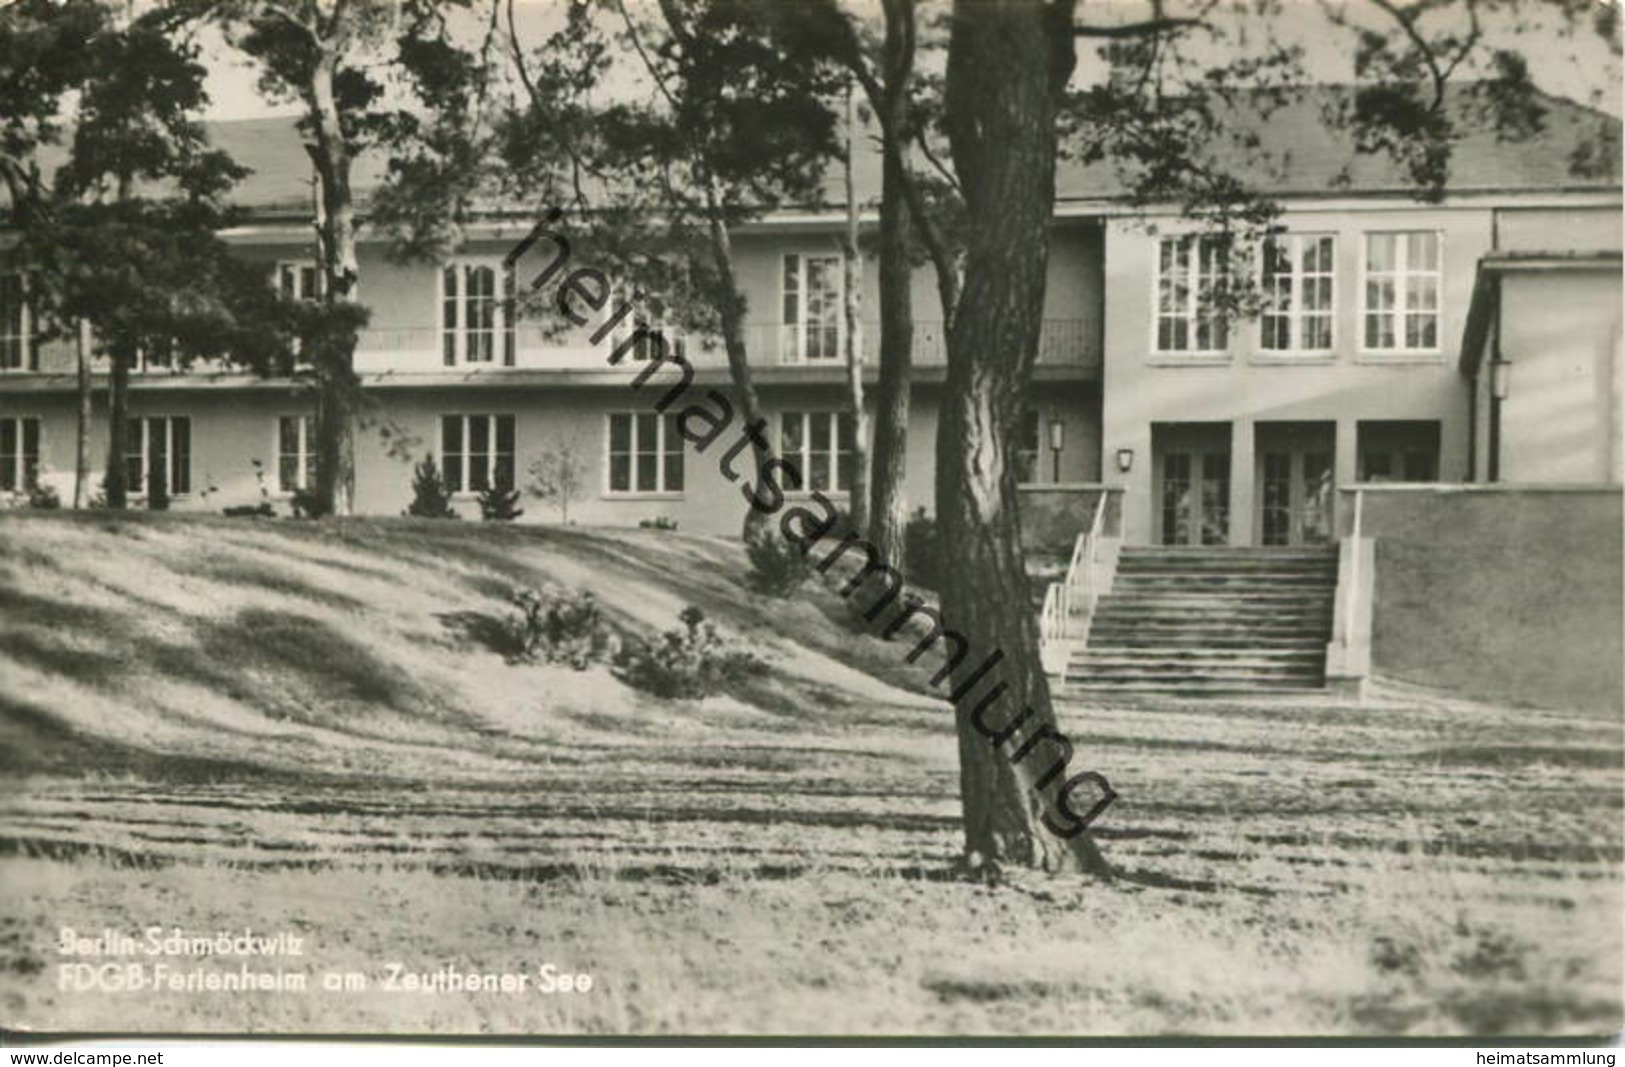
(1507, 593)
(1247, 386)
(1560, 421)
(1583, 229)
(233, 428)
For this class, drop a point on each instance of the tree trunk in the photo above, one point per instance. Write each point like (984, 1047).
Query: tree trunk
(851, 286)
(120, 356)
(87, 413)
(338, 387)
(888, 466)
(731, 311)
(1001, 127)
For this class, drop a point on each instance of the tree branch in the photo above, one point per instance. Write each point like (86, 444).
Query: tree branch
(1145, 28)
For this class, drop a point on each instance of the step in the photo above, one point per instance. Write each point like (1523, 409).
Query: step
(1100, 641)
(1172, 668)
(1075, 688)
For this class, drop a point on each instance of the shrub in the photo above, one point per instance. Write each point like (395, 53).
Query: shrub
(43, 496)
(689, 662)
(499, 505)
(777, 567)
(262, 510)
(923, 563)
(659, 522)
(430, 497)
(306, 504)
(557, 627)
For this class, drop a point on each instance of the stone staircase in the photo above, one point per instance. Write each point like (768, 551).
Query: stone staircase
(1211, 620)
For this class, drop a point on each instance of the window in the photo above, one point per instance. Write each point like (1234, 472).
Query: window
(477, 451)
(17, 349)
(476, 321)
(295, 453)
(19, 453)
(645, 454)
(159, 447)
(1191, 274)
(820, 444)
(812, 307)
(298, 280)
(1029, 446)
(1398, 451)
(1299, 270)
(1401, 293)
(646, 318)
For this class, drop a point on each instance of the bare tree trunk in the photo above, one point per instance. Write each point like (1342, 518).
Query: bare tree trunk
(120, 355)
(852, 287)
(1001, 127)
(87, 413)
(338, 387)
(888, 468)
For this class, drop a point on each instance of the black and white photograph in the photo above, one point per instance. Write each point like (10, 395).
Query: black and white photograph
(1081, 521)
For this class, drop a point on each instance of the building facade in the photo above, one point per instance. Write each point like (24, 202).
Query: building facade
(1218, 427)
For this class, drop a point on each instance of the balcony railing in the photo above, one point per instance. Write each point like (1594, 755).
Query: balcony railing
(417, 350)
(1063, 342)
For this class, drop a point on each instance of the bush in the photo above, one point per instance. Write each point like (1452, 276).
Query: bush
(777, 567)
(499, 505)
(43, 496)
(690, 662)
(306, 504)
(556, 627)
(923, 562)
(659, 522)
(262, 510)
(430, 498)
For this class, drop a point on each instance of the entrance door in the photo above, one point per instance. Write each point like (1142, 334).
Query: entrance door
(1295, 479)
(1193, 491)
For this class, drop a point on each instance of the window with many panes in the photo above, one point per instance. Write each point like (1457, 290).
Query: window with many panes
(820, 444)
(476, 314)
(295, 453)
(19, 453)
(635, 330)
(159, 446)
(1298, 282)
(17, 350)
(645, 453)
(1191, 273)
(1400, 302)
(477, 452)
(811, 309)
(298, 280)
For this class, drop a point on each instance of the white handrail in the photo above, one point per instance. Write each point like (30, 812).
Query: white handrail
(1069, 604)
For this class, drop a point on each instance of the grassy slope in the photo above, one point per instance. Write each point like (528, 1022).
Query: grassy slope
(311, 718)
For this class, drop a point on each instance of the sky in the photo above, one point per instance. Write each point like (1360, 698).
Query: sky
(1581, 68)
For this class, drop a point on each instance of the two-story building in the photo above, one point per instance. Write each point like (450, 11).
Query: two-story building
(1220, 429)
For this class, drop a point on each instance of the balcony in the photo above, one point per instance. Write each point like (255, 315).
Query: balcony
(1067, 347)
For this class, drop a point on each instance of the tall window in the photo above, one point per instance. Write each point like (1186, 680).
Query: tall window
(646, 316)
(1401, 298)
(17, 351)
(1299, 270)
(476, 314)
(812, 307)
(298, 280)
(820, 444)
(645, 454)
(19, 453)
(159, 447)
(1398, 451)
(1191, 273)
(477, 451)
(295, 453)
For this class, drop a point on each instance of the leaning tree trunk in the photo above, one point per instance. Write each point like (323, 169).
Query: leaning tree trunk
(338, 388)
(852, 305)
(730, 303)
(1001, 126)
(120, 355)
(86, 411)
(888, 468)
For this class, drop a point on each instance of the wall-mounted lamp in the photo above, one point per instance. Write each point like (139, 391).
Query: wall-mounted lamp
(1057, 441)
(1125, 460)
(1500, 378)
